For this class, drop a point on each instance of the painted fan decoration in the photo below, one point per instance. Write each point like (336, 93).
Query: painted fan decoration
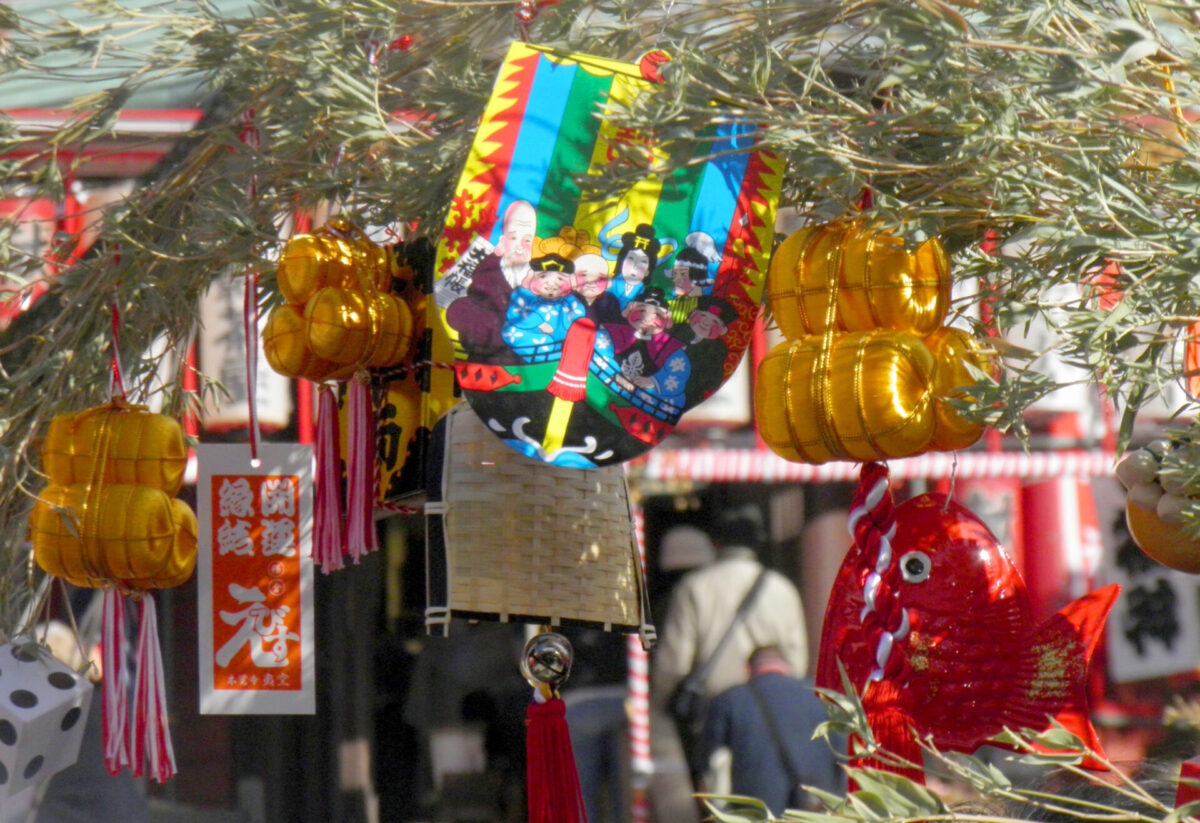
(932, 623)
(109, 519)
(869, 371)
(583, 329)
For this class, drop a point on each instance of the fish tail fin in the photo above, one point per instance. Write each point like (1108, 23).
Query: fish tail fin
(1087, 615)
(1076, 629)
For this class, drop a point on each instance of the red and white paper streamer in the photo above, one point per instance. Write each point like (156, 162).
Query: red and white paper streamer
(150, 742)
(250, 334)
(145, 738)
(638, 700)
(761, 466)
(115, 694)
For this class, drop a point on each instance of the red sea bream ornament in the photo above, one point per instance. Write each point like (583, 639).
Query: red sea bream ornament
(932, 623)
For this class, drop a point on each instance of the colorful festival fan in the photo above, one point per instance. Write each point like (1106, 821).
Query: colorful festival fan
(668, 275)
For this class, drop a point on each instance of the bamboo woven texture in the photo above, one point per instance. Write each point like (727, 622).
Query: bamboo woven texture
(525, 540)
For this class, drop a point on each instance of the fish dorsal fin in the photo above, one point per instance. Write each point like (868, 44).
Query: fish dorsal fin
(1064, 647)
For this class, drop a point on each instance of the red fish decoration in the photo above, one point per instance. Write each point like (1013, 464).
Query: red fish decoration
(932, 623)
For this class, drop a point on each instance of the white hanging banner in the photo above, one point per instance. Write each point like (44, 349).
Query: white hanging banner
(255, 578)
(1152, 631)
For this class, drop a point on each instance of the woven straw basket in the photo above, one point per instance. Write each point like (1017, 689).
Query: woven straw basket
(512, 538)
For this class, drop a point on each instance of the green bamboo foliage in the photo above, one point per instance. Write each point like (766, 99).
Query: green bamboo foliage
(1049, 785)
(1023, 122)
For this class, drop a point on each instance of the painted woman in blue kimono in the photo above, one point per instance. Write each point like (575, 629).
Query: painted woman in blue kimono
(636, 259)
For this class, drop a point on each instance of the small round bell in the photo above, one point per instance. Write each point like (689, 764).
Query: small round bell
(547, 659)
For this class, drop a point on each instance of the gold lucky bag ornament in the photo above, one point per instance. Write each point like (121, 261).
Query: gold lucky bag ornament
(109, 519)
(339, 316)
(109, 516)
(340, 319)
(865, 395)
(871, 372)
(858, 395)
(877, 282)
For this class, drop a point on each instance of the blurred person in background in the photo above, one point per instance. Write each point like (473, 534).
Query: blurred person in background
(718, 615)
(767, 725)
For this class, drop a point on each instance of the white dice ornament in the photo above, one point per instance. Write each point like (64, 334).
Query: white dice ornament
(43, 711)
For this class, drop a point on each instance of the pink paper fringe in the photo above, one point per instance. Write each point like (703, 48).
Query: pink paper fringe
(360, 472)
(151, 734)
(327, 502)
(115, 694)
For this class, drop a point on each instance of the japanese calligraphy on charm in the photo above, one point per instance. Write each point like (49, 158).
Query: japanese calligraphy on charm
(255, 580)
(585, 326)
(1152, 631)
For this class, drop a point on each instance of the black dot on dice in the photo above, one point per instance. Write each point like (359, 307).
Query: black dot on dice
(23, 699)
(61, 680)
(70, 718)
(34, 766)
(8, 733)
(23, 654)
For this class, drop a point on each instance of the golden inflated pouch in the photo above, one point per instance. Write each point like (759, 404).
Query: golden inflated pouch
(142, 447)
(109, 516)
(878, 282)
(134, 535)
(859, 396)
(311, 262)
(285, 344)
(349, 327)
(340, 315)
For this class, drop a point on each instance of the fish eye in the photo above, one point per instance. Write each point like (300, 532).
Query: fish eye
(915, 567)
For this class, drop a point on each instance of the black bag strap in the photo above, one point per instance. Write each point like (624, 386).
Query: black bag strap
(785, 757)
(698, 676)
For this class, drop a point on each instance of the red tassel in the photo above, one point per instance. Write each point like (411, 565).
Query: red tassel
(551, 777)
(151, 734)
(327, 501)
(115, 694)
(570, 381)
(360, 470)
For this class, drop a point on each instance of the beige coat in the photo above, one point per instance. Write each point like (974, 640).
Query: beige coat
(702, 606)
